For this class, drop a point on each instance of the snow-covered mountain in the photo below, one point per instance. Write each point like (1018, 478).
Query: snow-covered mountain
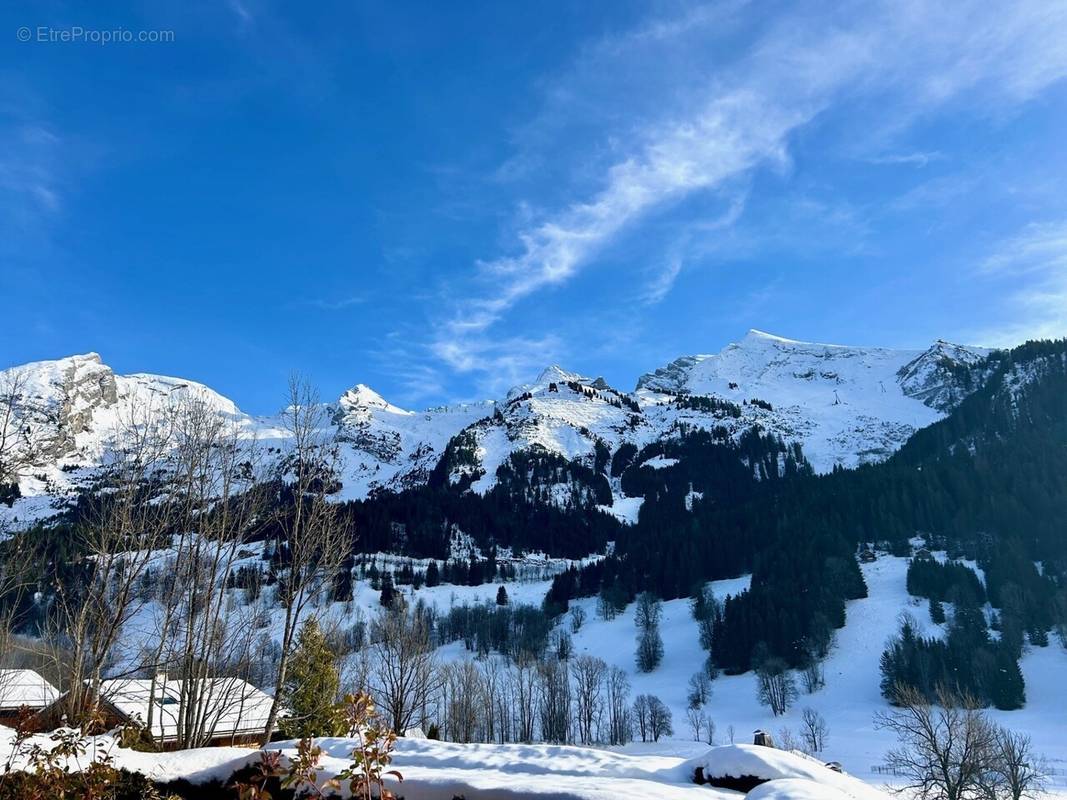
(844, 405)
(387, 447)
(77, 404)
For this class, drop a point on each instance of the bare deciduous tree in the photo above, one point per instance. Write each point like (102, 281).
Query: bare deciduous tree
(812, 667)
(19, 446)
(814, 730)
(1017, 771)
(787, 740)
(312, 530)
(204, 641)
(641, 715)
(620, 722)
(944, 751)
(522, 681)
(699, 689)
(126, 524)
(461, 698)
(554, 701)
(403, 670)
(660, 721)
(577, 618)
(494, 693)
(777, 689)
(588, 673)
(695, 717)
(653, 718)
(709, 730)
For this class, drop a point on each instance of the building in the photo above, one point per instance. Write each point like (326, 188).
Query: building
(222, 711)
(762, 738)
(23, 688)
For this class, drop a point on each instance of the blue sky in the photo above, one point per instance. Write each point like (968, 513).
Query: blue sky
(437, 199)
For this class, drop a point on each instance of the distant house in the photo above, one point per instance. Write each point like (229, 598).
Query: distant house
(226, 711)
(867, 556)
(23, 688)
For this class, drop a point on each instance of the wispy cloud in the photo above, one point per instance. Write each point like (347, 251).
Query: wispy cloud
(29, 166)
(1032, 266)
(727, 116)
(918, 159)
(241, 11)
(660, 286)
(34, 177)
(503, 362)
(684, 250)
(1041, 247)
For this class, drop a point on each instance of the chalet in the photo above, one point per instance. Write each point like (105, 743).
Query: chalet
(867, 556)
(226, 711)
(23, 689)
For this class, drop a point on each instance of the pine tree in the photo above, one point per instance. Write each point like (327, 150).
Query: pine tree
(388, 592)
(433, 574)
(501, 596)
(1008, 690)
(937, 611)
(311, 685)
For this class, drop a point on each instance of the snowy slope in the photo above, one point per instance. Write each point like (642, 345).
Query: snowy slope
(845, 405)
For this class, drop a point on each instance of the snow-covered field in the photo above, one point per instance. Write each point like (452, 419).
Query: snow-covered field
(439, 770)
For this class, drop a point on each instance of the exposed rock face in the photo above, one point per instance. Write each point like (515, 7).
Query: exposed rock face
(73, 407)
(58, 401)
(942, 376)
(671, 378)
(88, 385)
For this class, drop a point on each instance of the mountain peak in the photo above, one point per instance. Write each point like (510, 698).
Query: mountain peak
(756, 335)
(934, 376)
(64, 363)
(84, 358)
(362, 396)
(556, 374)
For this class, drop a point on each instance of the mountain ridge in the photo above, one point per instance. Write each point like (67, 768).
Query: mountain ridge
(843, 405)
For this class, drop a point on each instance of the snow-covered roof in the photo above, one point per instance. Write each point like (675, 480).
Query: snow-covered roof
(231, 706)
(24, 687)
